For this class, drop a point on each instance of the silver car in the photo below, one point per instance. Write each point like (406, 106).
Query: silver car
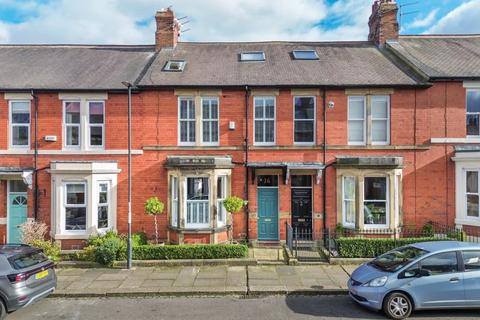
(26, 275)
(426, 275)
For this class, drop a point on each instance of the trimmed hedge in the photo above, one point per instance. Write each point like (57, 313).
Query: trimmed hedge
(373, 247)
(175, 252)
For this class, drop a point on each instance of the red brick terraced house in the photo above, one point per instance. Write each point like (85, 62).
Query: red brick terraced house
(372, 135)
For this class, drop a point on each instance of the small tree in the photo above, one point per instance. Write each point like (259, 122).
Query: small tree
(234, 204)
(154, 207)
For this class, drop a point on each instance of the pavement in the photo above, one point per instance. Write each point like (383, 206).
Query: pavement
(203, 280)
(276, 307)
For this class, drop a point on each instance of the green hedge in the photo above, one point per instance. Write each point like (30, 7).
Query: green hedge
(373, 247)
(174, 252)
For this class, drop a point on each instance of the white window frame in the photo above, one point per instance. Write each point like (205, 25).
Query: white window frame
(221, 211)
(185, 201)
(90, 125)
(387, 120)
(466, 194)
(65, 125)
(264, 98)
(364, 141)
(210, 120)
(174, 201)
(106, 204)
(344, 200)
(194, 120)
(471, 113)
(314, 120)
(387, 203)
(11, 124)
(65, 206)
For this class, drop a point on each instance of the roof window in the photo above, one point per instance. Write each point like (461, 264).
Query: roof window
(174, 65)
(252, 56)
(305, 55)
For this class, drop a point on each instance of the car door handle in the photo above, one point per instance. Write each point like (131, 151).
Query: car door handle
(454, 280)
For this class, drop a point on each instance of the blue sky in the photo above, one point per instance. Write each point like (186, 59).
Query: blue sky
(131, 21)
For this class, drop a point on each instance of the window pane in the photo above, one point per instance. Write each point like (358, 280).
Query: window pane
(304, 131)
(197, 188)
(206, 109)
(356, 109)
(473, 101)
(350, 212)
(269, 131)
(221, 187)
(472, 205)
(18, 186)
(304, 108)
(214, 125)
(259, 131)
(20, 112)
(472, 125)
(183, 109)
(379, 130)
(206, 131)
(75, 218)
(75, 194)
(375, 188)
(96, 112)
(375, 212)
(96, 136)
(349, 188)
(472, 181)
(191, 109)
(73, 136)
(20, 135)
(103, 217)
(102, 193)
(471, 260)
(259, 111)
(267, 181)
(379, 107)
(270, 110)
(301, 181)
(214, 109)
(355, 131)
(72, 112)
(191, 131)
(441, 263)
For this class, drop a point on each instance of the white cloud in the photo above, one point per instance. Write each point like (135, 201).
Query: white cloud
(114, 21)
(425, 21)
(463, 19)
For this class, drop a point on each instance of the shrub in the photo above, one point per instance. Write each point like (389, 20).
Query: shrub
(139, 239)
(31, 231)
(428, 230)
(373, 247)
(97, 240)
(50, 249)
(107, 252)
(87, 254)
(175, 252)
(233, 204)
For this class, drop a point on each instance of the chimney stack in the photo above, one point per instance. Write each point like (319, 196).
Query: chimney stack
(168, 29)
(383, 22)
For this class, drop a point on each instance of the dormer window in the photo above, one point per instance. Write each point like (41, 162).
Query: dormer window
(252, 56)
(305, 55)
(175, 65)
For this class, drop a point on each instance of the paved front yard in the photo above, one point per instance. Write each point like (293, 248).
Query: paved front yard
(201, 280)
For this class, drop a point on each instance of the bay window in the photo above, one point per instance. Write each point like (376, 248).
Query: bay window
(264, 120)
(186, 121)
(473, 112)
(349, 201)
(197, 202)
(210, 120)
(221, 195)
(375, 201)
(102, 205)
(174, 201)
(472, 193)
(304, 120)
(20, 124)
(75, 207)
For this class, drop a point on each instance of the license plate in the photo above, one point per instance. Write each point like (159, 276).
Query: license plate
(41, 274)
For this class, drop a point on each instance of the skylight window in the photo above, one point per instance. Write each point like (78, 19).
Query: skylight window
(252, 56)
(305, 55)
(175, 65)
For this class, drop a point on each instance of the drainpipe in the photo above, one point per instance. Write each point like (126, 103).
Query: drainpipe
(324, 191)
(247, 208)
(129, 165)
(35, 156)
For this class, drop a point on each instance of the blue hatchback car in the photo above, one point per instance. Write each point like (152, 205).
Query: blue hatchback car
(426, 275)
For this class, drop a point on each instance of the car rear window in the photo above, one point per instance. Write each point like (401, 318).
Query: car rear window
(27, 260)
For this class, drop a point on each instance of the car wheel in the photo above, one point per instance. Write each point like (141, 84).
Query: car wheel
(397, 306)
(3, 311)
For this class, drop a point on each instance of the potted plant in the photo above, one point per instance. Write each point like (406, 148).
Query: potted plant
(234, 204)
(154, 207)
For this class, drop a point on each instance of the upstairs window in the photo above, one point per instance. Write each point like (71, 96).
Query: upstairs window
(356, 120)
(473, 112)
(175, 65)
(72, 124)
(20, 124)
(210, 121)
(187, 121)
(305, 55)
(380, 120)
(304, 120)
(264, 120)
(96, 121)
(252, 56)
(368, 114)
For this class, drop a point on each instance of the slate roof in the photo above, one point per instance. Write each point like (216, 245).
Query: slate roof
(448, 56)
(217, 64)
(71, 67)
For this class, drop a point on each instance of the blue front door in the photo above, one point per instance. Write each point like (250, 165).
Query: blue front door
(267, 201)
(17, 214)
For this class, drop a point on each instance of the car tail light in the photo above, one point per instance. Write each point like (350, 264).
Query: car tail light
(19, 277)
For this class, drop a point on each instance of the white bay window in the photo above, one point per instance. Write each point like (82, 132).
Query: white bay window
(197, 202)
